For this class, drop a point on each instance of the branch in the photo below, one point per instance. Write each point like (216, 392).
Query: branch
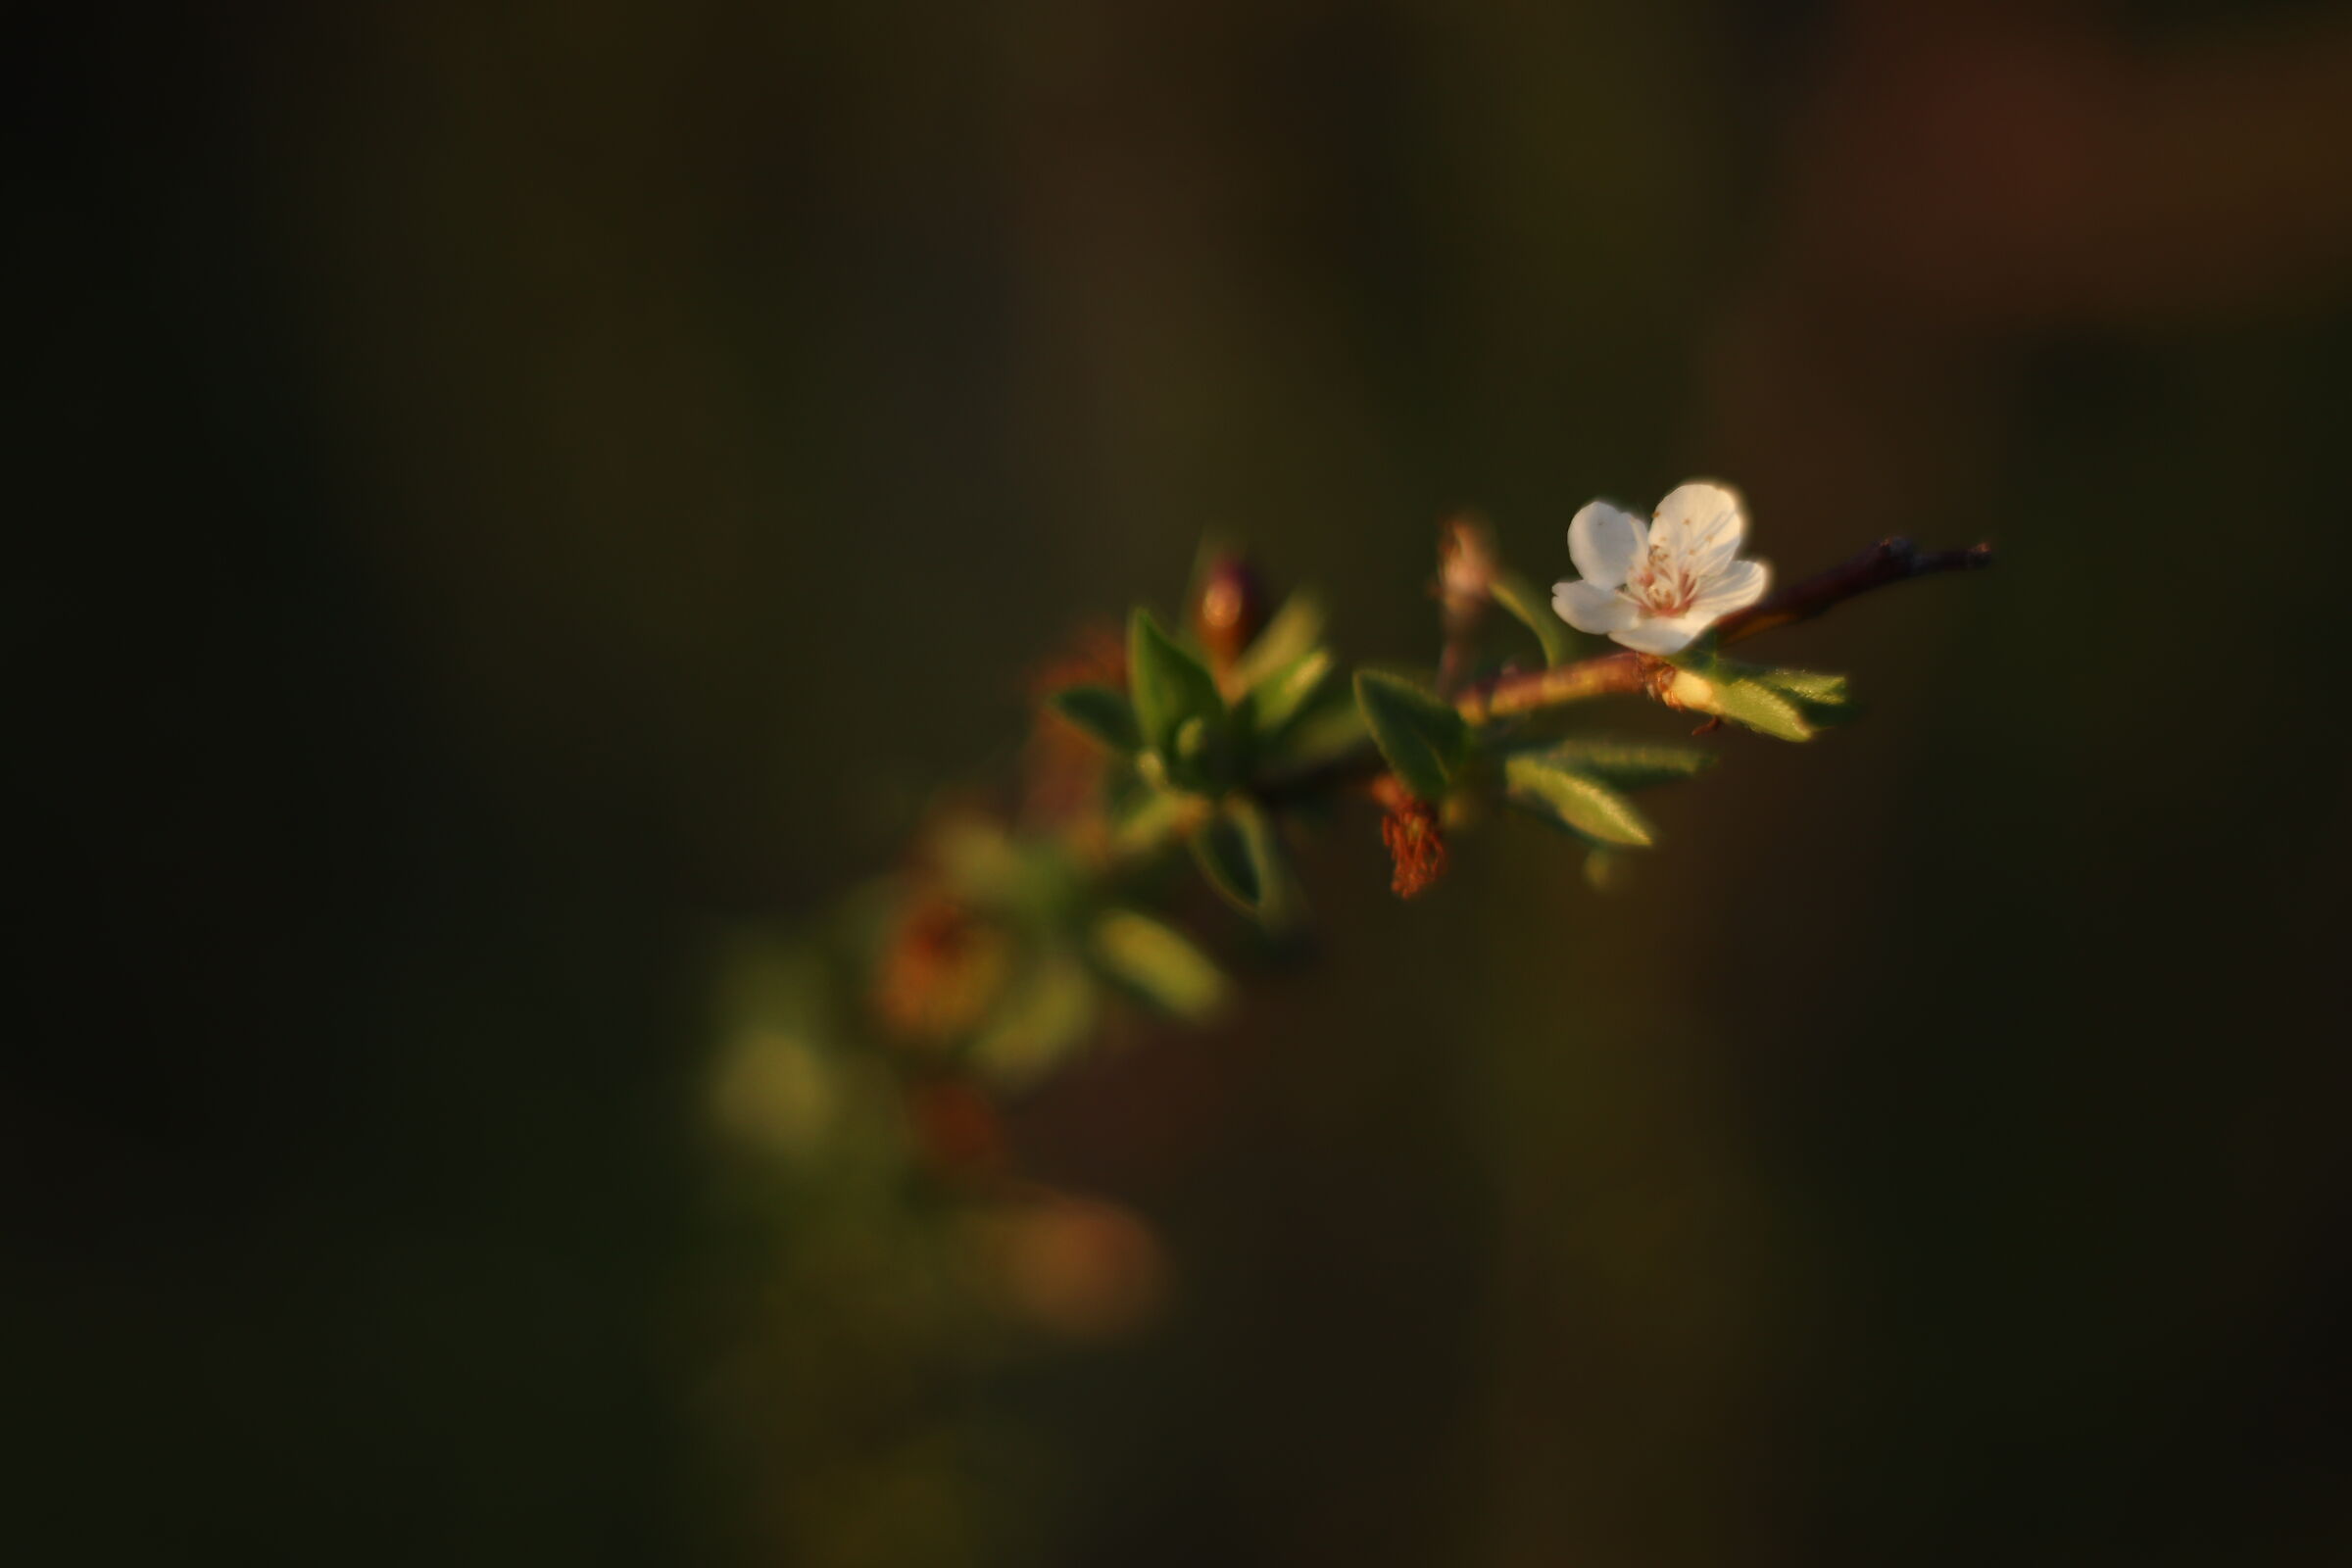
(1889, 561)
(1524, 691)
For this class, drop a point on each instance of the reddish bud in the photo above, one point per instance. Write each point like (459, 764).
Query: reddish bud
(1416, 843)
(1231, 609)
(1466, 567)
(939, 971)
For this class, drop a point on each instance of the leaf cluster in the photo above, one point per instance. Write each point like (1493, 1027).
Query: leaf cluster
(1199, 742)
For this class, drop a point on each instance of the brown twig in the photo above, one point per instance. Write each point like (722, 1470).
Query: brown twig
(1523, 691)
(1887, 561)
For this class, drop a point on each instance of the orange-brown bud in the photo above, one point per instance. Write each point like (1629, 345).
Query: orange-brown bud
(1466, 567)
(1231, 609)
(940, 970)
(1416, 843)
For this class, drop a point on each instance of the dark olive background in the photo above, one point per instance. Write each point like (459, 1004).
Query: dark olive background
(504, 492)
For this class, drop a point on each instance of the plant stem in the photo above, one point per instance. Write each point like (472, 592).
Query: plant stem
(1629, 673)
(1889, 561)
(1886, 561)
(1524, 691)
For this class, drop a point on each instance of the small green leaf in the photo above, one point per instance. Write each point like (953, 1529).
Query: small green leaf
(1821, 699)
(1278, 898)
(1150, 820)
(1287, 637)
(1529, 604)
(1628, 765)
(1046, 1015)
(1223, 855)
(1157, 963)
(1577, 801)
(1241, 855)
(1423, 739)
(1168, 684)
(1761, 708)
(1102, 713)
(1805, 685)
(1280, 697)
(1331, 727)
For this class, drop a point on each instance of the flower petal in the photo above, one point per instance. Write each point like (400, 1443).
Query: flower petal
(1661, 634)
(1701, 521)
(1604, 543)
(1588, 607)
(1734, 587)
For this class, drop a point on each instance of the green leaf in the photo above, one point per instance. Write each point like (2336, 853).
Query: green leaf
(1331, 727)
(1148, 821)
(1423, 739)
(1046, 1015)
(1279, 699)
(1278, 900)
(1168, 684)
(1575, 800)
(1158, 964)
(1287, 637)
(1760, 708)
(1241, 855)
(1807, 685)
(1195, 746)
(1102, 713)
(1628, 765)
(1223, 857)
(1532, 608)
(1821, 699)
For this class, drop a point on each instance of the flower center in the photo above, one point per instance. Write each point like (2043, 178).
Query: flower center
(1663, 585)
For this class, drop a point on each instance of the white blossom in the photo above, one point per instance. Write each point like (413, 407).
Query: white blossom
(1655, 588)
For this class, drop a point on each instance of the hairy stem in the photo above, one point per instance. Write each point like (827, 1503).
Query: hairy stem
(1524, 691)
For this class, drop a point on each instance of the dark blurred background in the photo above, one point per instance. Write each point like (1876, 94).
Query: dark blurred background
(507, 493)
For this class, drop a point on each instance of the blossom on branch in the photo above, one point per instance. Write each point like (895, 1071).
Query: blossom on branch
(1655, 588)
